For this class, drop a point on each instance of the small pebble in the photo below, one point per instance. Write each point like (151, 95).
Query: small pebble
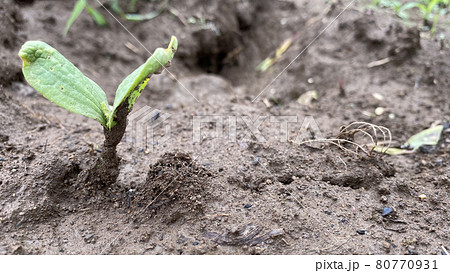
(195, 243)
(206, 165)
(328, 212)
(141, 150)
(155, 117)
(1, 159)
(256, 161)
(361, 232)
(379, 111)
(412, 251)
(243, 145)
(387, 211)
(247, 206)
(378, 96)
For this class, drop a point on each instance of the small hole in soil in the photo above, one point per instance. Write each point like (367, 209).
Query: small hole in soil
(286, 179)
(25, 2)
(211, 63)
(213, 49)
(6, 43)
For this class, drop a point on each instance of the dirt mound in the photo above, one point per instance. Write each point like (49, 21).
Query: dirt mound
(177, 187)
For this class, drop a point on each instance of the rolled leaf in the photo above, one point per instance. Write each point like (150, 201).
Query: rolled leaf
(132, 86)
(57, 79)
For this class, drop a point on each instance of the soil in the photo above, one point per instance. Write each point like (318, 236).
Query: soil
(264, 193)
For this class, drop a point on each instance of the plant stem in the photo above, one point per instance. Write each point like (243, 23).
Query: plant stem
(106, 170)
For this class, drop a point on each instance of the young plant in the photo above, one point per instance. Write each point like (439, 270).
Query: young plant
(58, 80)
(431, 10)
(82, 5)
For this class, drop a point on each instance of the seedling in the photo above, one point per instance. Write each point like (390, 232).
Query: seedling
(58, 80)
(431, 10)
(82, 5)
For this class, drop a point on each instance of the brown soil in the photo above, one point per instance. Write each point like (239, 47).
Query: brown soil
(252, 196)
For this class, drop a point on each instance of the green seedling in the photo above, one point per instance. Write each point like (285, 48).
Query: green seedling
(82, 5)
(58, 80)
(430, 10)
(396, 6)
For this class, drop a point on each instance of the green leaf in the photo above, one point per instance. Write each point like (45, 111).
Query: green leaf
(115, 7)
(132, 86)
(132, 5)
(431, 5)
(411, 5)
(147, 16)
(429, 136)
(97, 16)
(77, 10)
(391, 151)
(141, 17)
(57, 79)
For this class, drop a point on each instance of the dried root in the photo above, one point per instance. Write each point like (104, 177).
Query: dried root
(359, 137)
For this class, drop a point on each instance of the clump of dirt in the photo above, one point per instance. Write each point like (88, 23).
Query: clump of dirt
(59, 177)
(177, 186)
